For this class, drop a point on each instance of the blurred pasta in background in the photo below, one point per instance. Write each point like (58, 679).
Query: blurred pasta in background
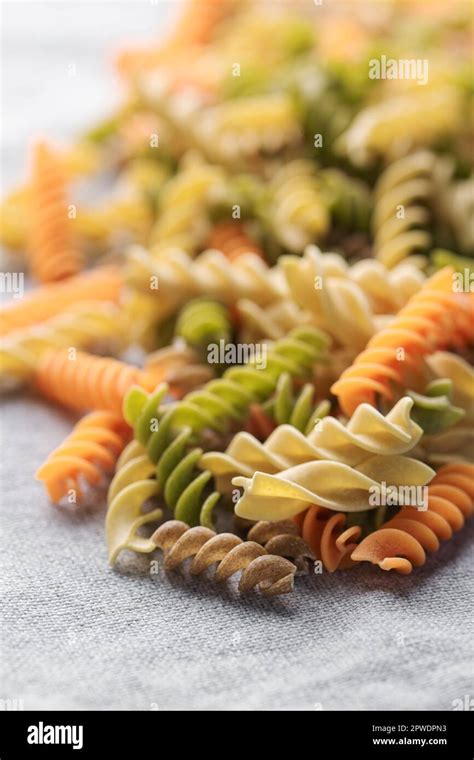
(268, 315)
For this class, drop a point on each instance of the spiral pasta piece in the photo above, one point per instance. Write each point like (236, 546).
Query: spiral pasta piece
(178, 279)
(434, 318)
(447, 365)
(399, 123)
(232, 239)
(270, 574)
(351, 302)
(401, 214)
(79, 159)
(52, 248)
(81, 464)
(183, 208)
(403, 541)
(257, 323)
(387, 290)
(434, 410)
(165, 446)
(297, 213)
(336, 303)
(202, 322)
(367, 433)
(325, 532)
(283, 539)
(101, 284)
(79, 380)
(333, 485)
(95, 326)
(247, 127)
(230, 396)
(297, 409)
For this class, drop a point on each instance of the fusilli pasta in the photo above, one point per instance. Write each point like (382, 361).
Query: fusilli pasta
(52, 248)
(434, 317)
(101, 284)
(271, 574)
(78, 380)
(86, 456)
(403, 541)
(94, 326)
(401, 214)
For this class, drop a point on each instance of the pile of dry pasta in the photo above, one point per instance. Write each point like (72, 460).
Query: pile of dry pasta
(267, 318)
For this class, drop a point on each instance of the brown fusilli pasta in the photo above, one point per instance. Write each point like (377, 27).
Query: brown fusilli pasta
(271, 574)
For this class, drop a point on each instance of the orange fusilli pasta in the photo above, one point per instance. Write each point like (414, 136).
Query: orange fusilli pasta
(434, 318)
(403, 541)
(79, 380)
(102, 284)
(52, 248)
(324, 531)
(232, 239)
(87, 455)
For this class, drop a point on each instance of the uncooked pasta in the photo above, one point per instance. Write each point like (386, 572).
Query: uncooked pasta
(267, 316)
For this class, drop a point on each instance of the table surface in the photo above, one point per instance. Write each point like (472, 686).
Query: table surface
(79, 635)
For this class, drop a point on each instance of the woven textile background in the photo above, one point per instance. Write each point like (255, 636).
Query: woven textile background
(78, 635)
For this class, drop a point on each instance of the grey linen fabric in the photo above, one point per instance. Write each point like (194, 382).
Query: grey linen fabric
(78, 635)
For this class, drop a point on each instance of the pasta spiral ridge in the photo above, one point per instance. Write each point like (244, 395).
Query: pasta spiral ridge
(433, 319)
(297, 409)
(387, 290)
(368, 434)
(401, 214)
(319, 284)
(101, 284)
(229, 397)
(352, 302)
(210, 274)
(169, 452)
(403, 541)
(95, 326)
(461, 374)
(297, 212)
(82, 381)
(203, 321)
(83, 460)
(232, 239)
(396, 124)
(184, 203)
(330, 538)
(434, 410)
(283, 539)
(271, 574)
(52, 249)
(247, 127)
(453, 442)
